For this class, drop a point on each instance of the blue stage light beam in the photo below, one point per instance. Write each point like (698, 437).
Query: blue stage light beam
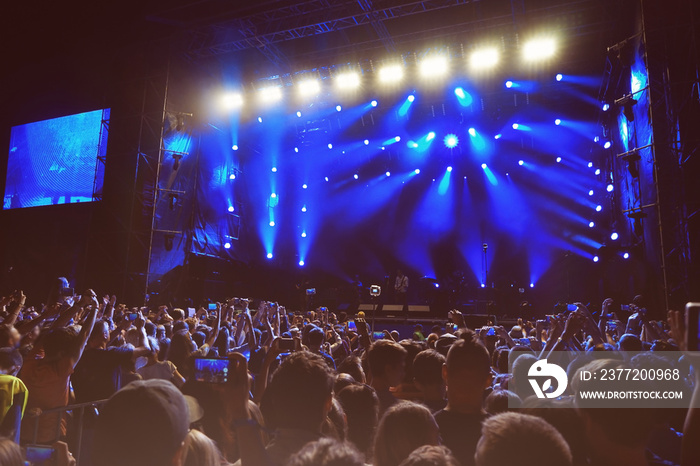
(445, 182)
(451, 141)
(464, 98)
(406, 106)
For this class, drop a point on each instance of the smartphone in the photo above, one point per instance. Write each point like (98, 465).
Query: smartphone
(132, 316)
(525, 341)
(571, 307)
(67, 291)
(451, 327)
(211, 370)
(491, 331)
(352, 326)
(212, 306)
(692, 326)
(378, 335)
(625, 307)
(40, 454)
(286, 344)
(375, 290)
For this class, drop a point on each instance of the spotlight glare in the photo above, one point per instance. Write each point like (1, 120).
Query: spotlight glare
(326, 178)
(416, 171)
(273, 195)
(498, 136)
(232, 176)
(597, 171)
(626, 255)
(330, 146)
(598, 208)
(532, 285)
(304, 186)
(296, 149)
(484, 59)
(614, 236)
(516, 126)
(308, 87)
(232, 101)
(610, 188)
(227, 245)
(299, 114)
(259, 119)
(558, 159)
(230, 208)
(338, 108)
(374, 103)
(591, 224)
(539, 49)
(301, 263)
(607, 145)
(559, 77)
(472, 132)
(411, 98)
(590, 164)
(430, 136)
(272, 224)
(274, 169)
(595, 259)
(269, 95)
(521, 163)
(388, 173)
(433, 67)
(557, 122)
(303, 209)
(590, 193)
(234, 147)
(303, 234)
(356, 176)
(596, 139)
(397, 138)
(366, 142)
(509, 84)
(347, 81)
(483, 165)
(390, 74)
(449, 169)
(451, 141)
(606, 107)
(269, 255)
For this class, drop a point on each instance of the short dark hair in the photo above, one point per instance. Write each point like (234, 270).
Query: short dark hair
(315, 336)
(361, 406)
(297, 393)
(384, 353)
(431, 455)
(470, 355)
(427, 367)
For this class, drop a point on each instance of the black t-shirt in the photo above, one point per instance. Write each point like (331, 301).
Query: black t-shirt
(98, 374)
(460, 433)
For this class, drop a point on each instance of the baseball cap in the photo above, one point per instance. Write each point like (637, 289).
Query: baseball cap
(144, 423)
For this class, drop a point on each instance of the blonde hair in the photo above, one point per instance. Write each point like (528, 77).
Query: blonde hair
(202, 451)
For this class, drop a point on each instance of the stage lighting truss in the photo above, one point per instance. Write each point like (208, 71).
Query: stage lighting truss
(627, 102)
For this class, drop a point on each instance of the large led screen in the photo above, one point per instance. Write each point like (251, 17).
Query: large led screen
(56, 161)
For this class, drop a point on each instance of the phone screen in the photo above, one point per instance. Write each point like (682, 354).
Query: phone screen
(692, 326)
(211, 370)
(40, 454)
(286, 344)
(132, 316)
(352, 326)
(212, 306)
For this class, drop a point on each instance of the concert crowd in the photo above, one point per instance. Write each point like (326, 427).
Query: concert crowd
(89, 379)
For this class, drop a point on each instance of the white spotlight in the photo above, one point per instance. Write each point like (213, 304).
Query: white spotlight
(269, 95)
(390, 74)
(539, 49)
(308, 87)
(347, 81)
(433, 67)
(484, 59)
(232, 100)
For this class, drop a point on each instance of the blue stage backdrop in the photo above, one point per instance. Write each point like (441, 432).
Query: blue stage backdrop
(56, 161)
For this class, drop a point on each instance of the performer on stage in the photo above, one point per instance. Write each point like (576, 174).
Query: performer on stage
(401, 288)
